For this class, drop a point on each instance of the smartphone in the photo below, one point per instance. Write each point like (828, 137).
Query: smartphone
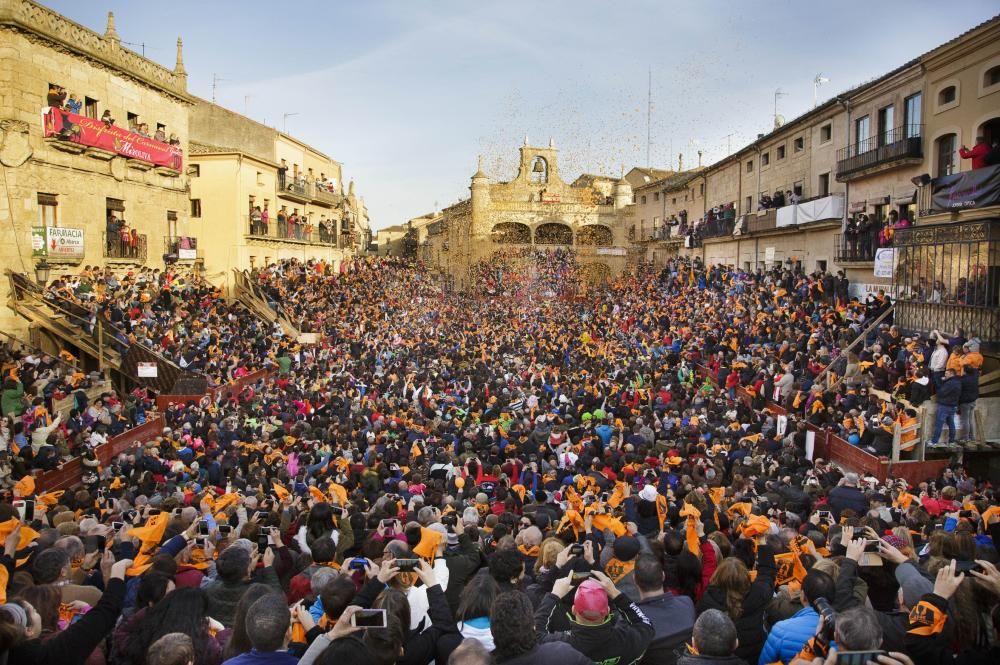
(176, 512)
(225, 529)
(337, 510)
(389, 524)
(262, 514)
(604, 497)
(199, 542)
(203, 528)
(825, 515)
(109, 503)
(871, 545)
(117, 526)
(262, 542)
(25, 509)
(94, 544)
(358, 564)
(576, 550)
(968, 566)
(153, 511)
(580, 576)
(369, 619)
(858, 657)
(406, 565)
(129, 515)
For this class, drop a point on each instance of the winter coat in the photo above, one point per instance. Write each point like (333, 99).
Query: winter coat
(673, 620)
(788, 637)
(627, 638)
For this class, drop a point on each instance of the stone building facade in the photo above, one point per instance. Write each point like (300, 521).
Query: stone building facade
(65, 174)
(537, 209)
(242, 169)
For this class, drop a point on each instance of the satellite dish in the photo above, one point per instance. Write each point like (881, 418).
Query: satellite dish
(779, 120)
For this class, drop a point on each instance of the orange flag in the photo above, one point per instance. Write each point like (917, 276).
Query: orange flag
(149, 535)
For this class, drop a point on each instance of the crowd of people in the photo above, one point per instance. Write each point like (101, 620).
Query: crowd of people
(863, 235)
(503, 480)
(527, 272)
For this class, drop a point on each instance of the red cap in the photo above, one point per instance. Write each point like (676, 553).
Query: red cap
(591, 601)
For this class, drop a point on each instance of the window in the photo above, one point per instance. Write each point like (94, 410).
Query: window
(825, 133)
(780, 152)
(798, 188)
(643, 199)
(701, 189)
(886, 119)
(260, 178)
(194, 170)
(765, 159)
(991, 77)
(912, 112)
(749, 166)
(800, 144)
(861, 128)
(47, 204)
(749, 204)
(946, 146)
(133, 120)
(821, 265)
(656, 196)
(90, 107)
(824, 184)
(674, 201)
(195, 208)
(947, 95)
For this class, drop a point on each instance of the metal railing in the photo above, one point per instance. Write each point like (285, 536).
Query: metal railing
(289, 231)
(321, 194)
(116, 246)
(856, 247)
(717, 228)
(185, 248)
(903, 142)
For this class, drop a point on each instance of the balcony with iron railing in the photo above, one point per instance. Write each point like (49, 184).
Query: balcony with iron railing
(286, 231)
(325, 194)
(297, 189)
(185, 248)
(895, 147)
(119, 248)
(857, 247)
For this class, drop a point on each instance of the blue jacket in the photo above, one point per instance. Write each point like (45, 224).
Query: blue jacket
(789, 636)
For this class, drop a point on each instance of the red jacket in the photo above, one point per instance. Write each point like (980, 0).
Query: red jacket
(977, 154)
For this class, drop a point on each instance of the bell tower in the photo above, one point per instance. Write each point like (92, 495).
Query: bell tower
(539, 166)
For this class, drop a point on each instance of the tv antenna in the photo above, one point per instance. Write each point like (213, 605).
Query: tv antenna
(215, 82)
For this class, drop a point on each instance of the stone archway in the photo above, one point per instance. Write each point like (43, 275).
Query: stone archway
(595, 235)
(507, 233)
(595, 274)
(553, 233)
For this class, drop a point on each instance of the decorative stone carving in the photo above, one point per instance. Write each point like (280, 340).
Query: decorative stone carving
(15, 148)
(118, 168)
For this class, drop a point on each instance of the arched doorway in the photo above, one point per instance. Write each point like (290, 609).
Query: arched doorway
(507, 233)
(595, 235)
(595, 274)
(553, 233)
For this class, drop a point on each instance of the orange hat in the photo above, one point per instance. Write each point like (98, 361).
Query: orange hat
(429, 541)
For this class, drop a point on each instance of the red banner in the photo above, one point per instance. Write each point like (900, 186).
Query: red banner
(91, 132)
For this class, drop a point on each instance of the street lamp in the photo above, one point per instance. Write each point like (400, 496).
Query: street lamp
(42, 269)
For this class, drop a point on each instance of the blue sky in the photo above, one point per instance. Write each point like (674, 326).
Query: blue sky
(407, 93)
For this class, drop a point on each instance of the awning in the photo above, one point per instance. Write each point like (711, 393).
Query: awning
(879, 201)
(904, 195)
(858, 206)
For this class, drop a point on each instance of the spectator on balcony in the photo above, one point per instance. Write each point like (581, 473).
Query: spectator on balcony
(282, 223)
(255, 221)
(111, 231)
(792, 197)
(174, 139)
(107, 119)
(902, 222)
(978, 153)
(73, 105)
(160, 135)
(887, 231)
(56, 96)
(765, 202)
(124, 235)
(866, 237)
(778, 200)
(133, 243)
(264, 219)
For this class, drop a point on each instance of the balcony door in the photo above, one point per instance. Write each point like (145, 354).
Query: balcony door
(886, 120)
(862, 126)
(946, 147)
(912, 110)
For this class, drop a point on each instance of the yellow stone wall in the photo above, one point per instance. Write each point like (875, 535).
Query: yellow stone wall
(62, 52)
